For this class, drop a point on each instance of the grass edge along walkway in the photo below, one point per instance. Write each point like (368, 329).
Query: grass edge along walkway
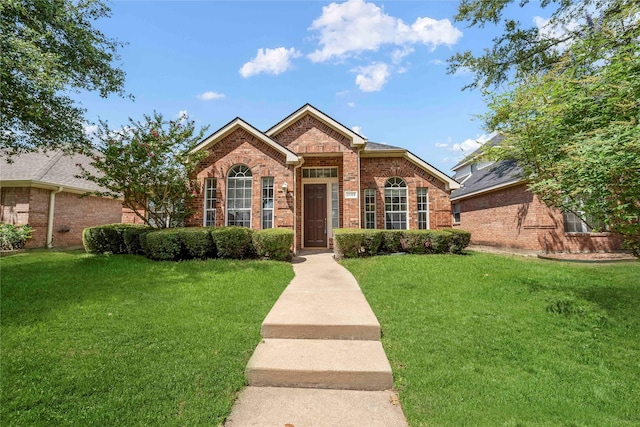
(486, 339)
(122, 340)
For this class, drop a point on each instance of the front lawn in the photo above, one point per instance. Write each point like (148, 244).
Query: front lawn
(122, 340)
(489, 340)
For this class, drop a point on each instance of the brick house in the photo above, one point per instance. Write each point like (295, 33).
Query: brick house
(40, 189)
(311, 174)
(495, 205)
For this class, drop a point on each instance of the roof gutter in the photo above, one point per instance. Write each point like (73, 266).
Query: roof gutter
(52, 202)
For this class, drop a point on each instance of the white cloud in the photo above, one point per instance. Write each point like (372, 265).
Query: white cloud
(358, 130)
(546, 31)
(90, 129)
(351, 104)
(342, 93)
(372, 77)
(208, 96)
(269, 61)
(346, 29)
(182, 114)
(466, 146)
(441, 145)
(398, 55)
(437, 62)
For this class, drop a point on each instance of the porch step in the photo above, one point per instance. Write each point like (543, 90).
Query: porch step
(318, 314)
(328, 364)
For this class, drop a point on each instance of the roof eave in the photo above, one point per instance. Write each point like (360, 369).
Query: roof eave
(489, 189)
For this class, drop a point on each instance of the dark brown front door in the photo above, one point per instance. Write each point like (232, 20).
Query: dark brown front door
(315, 215)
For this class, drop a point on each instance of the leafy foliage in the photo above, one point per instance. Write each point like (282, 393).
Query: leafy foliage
(274, 243)
(233, 242)
(48, 49)
(14, 236)
(149, 165)
(112, 238)
(164, 245)
(197, 242)
(571, 110)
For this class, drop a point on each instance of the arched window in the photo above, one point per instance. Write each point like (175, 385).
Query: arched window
(239, 196)
(395, 204)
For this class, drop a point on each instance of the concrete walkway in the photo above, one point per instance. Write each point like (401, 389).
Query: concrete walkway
(320, 362)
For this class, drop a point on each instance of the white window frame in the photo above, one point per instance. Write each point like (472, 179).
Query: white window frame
(267, 186)
(422, 198)
(241, 174)
(335, 205)
(455, 212)
(395, 187)
(579, 226)
(370, 202)
(210, 201)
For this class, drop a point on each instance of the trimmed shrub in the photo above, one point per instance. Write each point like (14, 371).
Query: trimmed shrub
(439, 242)
(391, 241)
(132, 238)
(13, 236)
(233, 242)
(197, 242)
(459, 239)
(164, 245)
(416, 241)
(347, 242)
(274, 243)
(372, 241)
(108, 238)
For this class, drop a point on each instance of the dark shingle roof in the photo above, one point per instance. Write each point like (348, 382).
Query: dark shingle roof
(51, 168)
(376, 146)
(503, 172)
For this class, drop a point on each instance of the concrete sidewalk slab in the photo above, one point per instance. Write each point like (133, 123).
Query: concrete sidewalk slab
(321, 314)
(334, 364)
(278, 407)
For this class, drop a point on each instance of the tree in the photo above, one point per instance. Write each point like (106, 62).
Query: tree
(568, 104)
(49, 49)
(149, 165)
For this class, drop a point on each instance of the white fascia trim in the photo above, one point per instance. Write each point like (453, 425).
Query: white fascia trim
(450, 183)
(46, 186)
(356, 140)
(487, 190)
(290, 156)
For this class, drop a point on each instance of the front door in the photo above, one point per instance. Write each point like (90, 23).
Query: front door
(315, 215)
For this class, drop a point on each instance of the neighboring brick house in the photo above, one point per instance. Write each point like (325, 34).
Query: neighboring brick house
(495, 205)
(41, 190)
(311, 174)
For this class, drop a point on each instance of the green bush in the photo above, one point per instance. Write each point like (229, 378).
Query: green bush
(197, 242)
(348, 242)
(132, 236)
(439, 242)
(108, 238)
(391, 241)
(13, 236)
(233, 242)
(274, 243)
(372, 241)
(416, 241)
(164, 245)
(459, 239)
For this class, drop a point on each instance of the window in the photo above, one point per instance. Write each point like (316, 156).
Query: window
(335, 208)
(267, 202)
(456, 213)
(423, 213)
(160, 216)
(210, 202)
(239, 196)
(573, 223)
(370, 208)
(320, 172)
(395, 204)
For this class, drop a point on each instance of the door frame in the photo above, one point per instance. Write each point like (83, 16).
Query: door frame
(327, 182)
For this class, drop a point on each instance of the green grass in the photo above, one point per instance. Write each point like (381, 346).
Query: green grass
(122, 340)
(489, 340)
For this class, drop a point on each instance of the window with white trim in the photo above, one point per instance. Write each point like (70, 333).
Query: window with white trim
(370, 208)
(210, 202)
(335, 207)
(574, 223)
(319, 172)
(267, 202)
(456, 213)
(395, 204)
(423, 203)
(239, 182)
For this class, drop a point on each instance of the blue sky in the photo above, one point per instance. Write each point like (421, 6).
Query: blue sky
(377, 67)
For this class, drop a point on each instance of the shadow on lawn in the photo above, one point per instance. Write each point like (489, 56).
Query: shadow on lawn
(34, 288)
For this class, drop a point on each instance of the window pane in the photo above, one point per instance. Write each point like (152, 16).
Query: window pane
(239, 184)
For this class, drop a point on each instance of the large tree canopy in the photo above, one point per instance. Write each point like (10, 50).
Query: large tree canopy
(49, 49)
(566, 96)
(148, 164)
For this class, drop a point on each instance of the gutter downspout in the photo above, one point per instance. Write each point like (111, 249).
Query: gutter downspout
(52, 202)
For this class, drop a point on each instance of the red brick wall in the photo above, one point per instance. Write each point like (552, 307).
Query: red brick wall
(375, 171)
(515, 218)
(240, 147)
(31, 206)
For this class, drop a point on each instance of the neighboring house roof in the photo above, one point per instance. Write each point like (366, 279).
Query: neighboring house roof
(356, 139)
(49, 170)
(238, 123)
(499, 175)
(494, 140)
